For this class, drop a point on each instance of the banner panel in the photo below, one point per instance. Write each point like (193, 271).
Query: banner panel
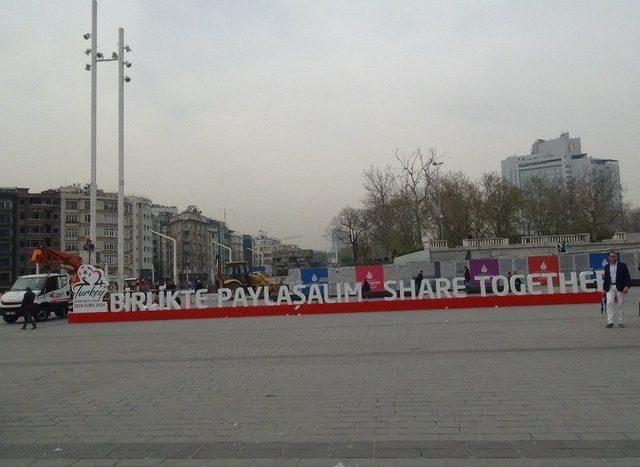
(374, 274)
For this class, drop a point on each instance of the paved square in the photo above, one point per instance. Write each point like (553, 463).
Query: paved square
(517, 386)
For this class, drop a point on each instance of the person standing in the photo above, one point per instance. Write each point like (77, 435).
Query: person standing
(27, 308)
(616, 283)
(418, 283)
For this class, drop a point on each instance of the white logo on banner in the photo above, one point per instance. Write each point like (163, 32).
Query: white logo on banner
(604, 262)
(369, 275)
(89, 292)
(484, 269)
(314, 278)
(543, 266)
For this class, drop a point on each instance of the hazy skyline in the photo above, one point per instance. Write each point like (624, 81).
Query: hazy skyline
(272, 109)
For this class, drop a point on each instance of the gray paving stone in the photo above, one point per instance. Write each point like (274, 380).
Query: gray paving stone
(154, 450)
(149, 462)
(95, 462)
(318, 384)
(16, 462)
(598, 452)
(355, 449)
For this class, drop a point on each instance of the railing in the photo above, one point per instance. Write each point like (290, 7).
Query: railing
(619, 236)
(555, 239)
(479, 242)
(437, 244)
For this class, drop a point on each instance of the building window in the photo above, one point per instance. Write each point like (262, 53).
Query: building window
(6, 204)
(110, 233)
(72, 219)
(71, 247)
(72, 204)
(72, 233)
(87, 218)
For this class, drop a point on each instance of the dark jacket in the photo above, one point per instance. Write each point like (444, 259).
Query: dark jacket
(27, 301)
(623, 279)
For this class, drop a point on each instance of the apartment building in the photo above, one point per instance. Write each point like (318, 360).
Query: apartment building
(75, 216)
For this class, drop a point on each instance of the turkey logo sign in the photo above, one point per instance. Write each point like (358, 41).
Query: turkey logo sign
(374, 275)
(542, 264)
(89, 292)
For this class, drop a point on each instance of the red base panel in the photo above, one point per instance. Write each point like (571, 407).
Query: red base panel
(349, 307)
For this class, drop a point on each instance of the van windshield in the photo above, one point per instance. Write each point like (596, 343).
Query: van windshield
(36, 283)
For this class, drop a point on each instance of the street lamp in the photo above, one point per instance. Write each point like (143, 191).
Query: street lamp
(175, 254)
(97, 57)
(259, 253)
(223, 246)
(440, 216)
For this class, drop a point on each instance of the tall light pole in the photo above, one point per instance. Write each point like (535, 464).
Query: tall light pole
(175, 254)
(121, 80)
(97, 57)
(440, 216)
(93, 199)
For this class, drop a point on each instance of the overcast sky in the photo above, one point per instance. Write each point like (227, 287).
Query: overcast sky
(271, 109)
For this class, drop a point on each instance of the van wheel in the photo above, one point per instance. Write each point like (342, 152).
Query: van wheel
(10, 318)
(61, 312)
(41, 315)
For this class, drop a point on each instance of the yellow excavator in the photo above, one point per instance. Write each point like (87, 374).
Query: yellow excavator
(237, 274)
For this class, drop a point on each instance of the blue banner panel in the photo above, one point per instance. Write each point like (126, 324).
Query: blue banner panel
(314, 276)
(598, 261)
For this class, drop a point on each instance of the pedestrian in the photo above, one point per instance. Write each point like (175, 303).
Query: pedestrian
(508, 286)
(366, 288)
(616, 283)
(27, 307)
(467, 276)
(565, 247)
(517, 282)
(419, 279)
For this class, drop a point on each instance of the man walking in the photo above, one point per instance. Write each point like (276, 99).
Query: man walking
(27, 308)
(616, 283)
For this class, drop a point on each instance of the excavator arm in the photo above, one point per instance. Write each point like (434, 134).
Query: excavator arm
(57, 258)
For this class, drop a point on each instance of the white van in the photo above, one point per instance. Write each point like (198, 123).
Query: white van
(53, 294)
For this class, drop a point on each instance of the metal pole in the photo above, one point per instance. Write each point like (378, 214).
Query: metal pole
(94, 85)
(175, 261)
(120, 159)
(175, 254)
(259, 253)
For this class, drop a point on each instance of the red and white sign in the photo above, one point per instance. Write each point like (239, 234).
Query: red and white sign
(374, 275)
(544, 264)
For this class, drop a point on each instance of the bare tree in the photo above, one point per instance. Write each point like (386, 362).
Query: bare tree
(381, 188)
(599, 205)
(458, 197)
(543, 208)
(350, 227)
(500, 204)
(415, 184)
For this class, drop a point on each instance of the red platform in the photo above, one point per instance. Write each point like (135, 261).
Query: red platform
(348, 307)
